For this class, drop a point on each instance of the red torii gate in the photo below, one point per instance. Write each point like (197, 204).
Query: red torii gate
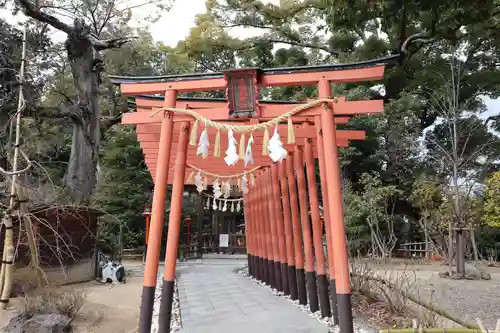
(277, 229)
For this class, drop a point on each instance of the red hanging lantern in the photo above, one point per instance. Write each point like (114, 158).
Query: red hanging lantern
(242, 92)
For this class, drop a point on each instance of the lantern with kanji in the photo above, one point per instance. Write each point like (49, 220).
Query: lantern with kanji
(242, 92)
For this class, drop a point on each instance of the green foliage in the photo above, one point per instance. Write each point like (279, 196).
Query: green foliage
(368, 209)
(427, 195)
(492, 201)
(125, 187)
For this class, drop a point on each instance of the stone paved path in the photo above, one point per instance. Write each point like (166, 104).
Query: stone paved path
(215, 299)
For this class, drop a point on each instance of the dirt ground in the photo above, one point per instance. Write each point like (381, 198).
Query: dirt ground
(108, 308)
(112, 308)
(115, 308)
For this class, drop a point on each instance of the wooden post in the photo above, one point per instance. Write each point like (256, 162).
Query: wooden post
(258, 235)
(274, 232)
(312, 288)
(335, 202)
(279, 228)
(253, 232)
(174, 227)
(317, 227)
(274, 239)
(296, 230)
(292, 277)
(157, 218)
(248, 231)
(327, 221)
(256, 240)
(265, 235)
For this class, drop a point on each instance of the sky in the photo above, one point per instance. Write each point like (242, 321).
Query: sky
(176, 23)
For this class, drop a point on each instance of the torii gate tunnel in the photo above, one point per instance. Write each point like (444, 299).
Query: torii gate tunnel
(284, 241)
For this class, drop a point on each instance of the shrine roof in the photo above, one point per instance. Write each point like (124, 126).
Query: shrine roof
(118, 79)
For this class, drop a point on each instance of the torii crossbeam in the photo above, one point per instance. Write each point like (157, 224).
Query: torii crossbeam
(281, 248)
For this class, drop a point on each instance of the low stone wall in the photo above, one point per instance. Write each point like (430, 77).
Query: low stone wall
(81, 271)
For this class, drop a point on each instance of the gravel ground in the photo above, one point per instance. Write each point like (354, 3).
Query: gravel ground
(175, 323)
(467, 299)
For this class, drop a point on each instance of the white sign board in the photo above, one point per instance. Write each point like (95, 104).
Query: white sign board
(223, 240)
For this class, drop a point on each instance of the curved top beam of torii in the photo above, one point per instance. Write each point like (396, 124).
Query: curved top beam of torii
(369, 70)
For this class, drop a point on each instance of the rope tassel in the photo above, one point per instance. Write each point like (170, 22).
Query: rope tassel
(217, 145)
(291, 133)
(190, 177)
(242, 147)
(265, 142)
(194, 133)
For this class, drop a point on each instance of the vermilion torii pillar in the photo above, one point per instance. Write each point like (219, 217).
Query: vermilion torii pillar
(327, 219)
(274, 231)
(157, 218)
(287, 223)
(266, 231)
(174, 227)
(249, 234)
(317, 229)
(312, 286)
(335, 204)
(296, 231)
(157, 144)
(280, 228)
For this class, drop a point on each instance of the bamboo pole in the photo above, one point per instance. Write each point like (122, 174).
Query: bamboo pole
(6, 271)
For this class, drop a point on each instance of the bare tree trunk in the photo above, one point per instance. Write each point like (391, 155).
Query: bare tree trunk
(455, 162)
(450, 247)
(80, 178)
(474, 245)
(427, 241)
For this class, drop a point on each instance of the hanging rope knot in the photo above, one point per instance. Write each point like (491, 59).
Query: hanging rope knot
(251, 127)
(270, 146)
